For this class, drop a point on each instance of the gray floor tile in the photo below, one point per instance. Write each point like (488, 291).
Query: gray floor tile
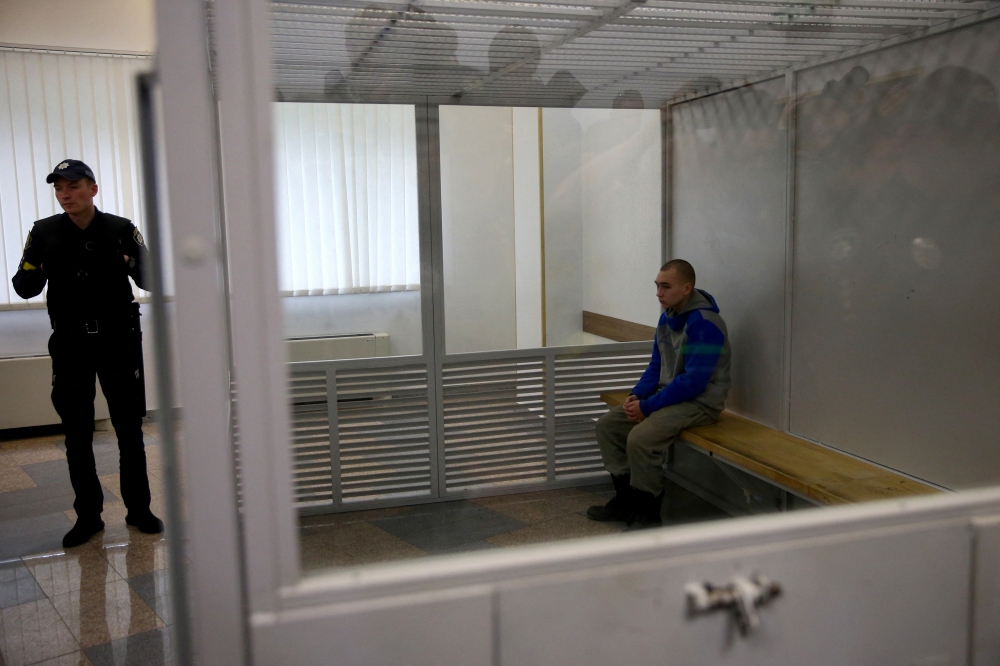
(35, 542)
(17, 585)
(51, 473)
(16, 500)
(150, 648)
(681, 506)
(447, 526)
(19, 527)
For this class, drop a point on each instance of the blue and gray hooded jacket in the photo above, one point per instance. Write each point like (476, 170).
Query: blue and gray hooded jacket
(690, 359)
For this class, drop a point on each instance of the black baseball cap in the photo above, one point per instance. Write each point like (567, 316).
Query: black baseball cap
(70, 170)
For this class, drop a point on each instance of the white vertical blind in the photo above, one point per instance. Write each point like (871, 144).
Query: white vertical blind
(53, 107)
(346, 179)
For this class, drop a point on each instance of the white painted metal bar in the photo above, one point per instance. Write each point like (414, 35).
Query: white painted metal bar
(790, 180)
(337, 498)
(241, 31)
(189, 140)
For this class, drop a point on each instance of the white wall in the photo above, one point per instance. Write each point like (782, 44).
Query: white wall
(98, 25)
(477, 210)
(527, 228)
(396, 313)
(622, 212)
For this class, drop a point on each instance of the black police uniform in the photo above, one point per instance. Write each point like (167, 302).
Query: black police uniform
(95, 331)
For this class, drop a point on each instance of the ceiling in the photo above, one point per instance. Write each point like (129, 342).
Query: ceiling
(594, 53)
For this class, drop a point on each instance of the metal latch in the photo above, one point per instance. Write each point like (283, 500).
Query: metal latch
(742, 596)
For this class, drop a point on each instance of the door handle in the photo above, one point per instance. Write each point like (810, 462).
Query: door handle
(742, 596)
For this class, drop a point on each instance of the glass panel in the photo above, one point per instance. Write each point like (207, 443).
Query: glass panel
(548, 214)
(896, 273)
(348, 247)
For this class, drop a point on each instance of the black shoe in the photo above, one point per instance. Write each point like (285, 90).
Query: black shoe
(81, 532)
(147, 523)
(647, 511)
(620, 507)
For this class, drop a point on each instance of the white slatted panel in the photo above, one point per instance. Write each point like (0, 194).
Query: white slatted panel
(580, 379)
(383, 433)
(58, 106)
(311, 469)
(494, 423)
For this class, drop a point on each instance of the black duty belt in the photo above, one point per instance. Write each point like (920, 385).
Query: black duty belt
(91, 326)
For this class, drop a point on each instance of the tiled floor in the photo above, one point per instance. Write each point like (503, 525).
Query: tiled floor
(106, 602)
(383, 535)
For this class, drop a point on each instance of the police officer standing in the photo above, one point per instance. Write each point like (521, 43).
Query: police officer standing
(87, 257)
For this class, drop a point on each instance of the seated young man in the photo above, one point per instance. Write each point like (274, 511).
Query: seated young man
(685, 385)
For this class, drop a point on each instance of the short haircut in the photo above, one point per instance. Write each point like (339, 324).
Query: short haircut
(685, 270)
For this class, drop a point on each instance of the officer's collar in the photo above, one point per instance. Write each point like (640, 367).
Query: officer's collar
(98, 217)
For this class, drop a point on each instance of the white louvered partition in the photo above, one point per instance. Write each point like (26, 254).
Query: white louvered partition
(508, 420)
(495, 421)
(579, 381)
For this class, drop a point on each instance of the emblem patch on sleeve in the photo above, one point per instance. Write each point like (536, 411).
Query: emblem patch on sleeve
(137, 237)
(27, 242)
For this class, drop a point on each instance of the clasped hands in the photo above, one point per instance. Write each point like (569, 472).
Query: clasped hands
(632, 410)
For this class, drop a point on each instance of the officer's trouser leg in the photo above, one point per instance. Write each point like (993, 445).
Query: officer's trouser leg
(121, 383)
(640, 449)
(73, 393)
(649, 441)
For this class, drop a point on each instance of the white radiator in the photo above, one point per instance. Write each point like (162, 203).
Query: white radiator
(26, 390)
(328, 348)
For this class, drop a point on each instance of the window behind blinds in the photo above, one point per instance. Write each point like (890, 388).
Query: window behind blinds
(346, 178)
(56, 106)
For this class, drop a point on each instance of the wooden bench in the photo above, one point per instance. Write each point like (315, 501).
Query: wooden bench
(816, 472)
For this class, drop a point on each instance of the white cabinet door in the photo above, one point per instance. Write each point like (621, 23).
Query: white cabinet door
(891, 583)
(873, 598)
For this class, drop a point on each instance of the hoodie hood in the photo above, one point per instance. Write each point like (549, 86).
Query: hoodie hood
(700, 300)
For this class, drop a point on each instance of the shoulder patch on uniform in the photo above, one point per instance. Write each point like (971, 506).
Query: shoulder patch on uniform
(27, 241)
(137, 236)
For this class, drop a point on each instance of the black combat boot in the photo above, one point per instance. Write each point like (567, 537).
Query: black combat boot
(647, 510)
(82, 531)
(620, 506)
(145, 522)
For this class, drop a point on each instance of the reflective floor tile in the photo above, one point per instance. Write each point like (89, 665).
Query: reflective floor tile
(17, 585)
(154, 589)
(532, 508)
(101, 615)
(444, 527)
(28, 451)
(152, 648)
(144, 553)
(12, 477)
(352, 544)
(74, 570)
(566, 527)
(73, 659)
(33, 632)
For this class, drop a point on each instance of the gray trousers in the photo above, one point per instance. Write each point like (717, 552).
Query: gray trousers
(640, 449)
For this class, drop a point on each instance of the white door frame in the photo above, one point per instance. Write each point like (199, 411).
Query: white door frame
(458, 591)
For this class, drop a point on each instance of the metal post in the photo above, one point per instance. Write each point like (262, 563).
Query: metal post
(217, 610)
(550, 414)
(667, 183)
(333, 418)
(164, 376)
(432, 282)
(790, 164)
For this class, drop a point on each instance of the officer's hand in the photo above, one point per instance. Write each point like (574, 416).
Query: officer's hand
(126, 258)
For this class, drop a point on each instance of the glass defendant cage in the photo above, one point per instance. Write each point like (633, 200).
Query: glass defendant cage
(822, 161)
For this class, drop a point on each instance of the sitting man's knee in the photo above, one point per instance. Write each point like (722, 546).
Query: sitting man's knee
(604, 422)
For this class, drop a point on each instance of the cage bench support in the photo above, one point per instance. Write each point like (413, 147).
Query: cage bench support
(821, 474)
